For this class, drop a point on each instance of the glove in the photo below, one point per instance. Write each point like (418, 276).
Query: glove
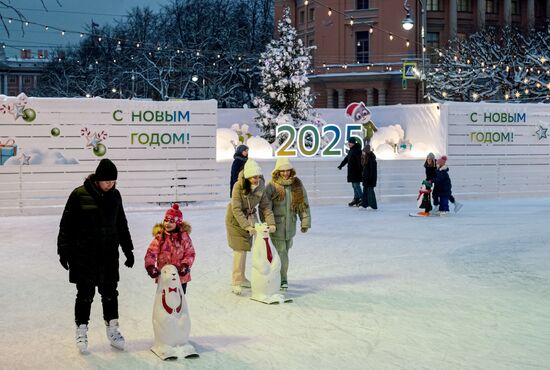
(152, 271)
(129, 259)
(251, 231)
(64, 261)
(304, 229)
(340, 168)
(184, 270)
(272, 229)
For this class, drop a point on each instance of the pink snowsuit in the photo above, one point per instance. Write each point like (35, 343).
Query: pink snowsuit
(174, 249)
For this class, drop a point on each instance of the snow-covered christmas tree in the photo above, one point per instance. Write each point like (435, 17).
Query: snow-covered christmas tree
(493, 64)
(285, 98)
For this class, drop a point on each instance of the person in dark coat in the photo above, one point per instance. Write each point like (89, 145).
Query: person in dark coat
(443, 184)
(370, 174)
(431, 171)
(355, 170)
(92, 227)
(239, 159)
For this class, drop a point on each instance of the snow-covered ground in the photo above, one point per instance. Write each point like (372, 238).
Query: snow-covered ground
(372, 290)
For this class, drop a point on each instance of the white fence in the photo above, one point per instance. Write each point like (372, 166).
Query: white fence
(45, 189)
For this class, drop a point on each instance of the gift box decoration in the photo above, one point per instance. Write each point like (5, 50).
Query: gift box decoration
(8, 149)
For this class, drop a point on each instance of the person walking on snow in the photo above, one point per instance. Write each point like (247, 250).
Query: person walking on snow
(92, 227)
(240, 218)
(239, 159)
(171, 245)
(355, 170)
(289, 201)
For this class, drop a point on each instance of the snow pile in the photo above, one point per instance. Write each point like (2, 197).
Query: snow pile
(227, 140)
(38, 156)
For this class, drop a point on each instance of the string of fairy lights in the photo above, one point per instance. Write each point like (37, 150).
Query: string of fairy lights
(349, 20)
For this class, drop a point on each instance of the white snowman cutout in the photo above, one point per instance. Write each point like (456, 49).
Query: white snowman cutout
(171, 322)
(266, 269)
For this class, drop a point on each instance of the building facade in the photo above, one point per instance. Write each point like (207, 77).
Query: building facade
(20, 74)
(363, 60)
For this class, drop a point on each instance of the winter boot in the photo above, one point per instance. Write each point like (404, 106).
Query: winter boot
(284, 285)
(82, 338)
(114, 336)
(423, 214)
(458, 206)
(236, 289)
(246, 284)
(359, 203)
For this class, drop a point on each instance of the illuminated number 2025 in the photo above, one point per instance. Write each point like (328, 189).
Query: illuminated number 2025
(309, 145)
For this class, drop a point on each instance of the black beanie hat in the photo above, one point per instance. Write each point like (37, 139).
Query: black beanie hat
(106, 170)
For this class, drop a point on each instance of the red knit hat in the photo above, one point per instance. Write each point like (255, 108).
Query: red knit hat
(441, 161)
(174, 214)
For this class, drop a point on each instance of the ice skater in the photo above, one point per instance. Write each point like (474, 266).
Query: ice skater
(240, 218)
(369, 176)
(289, 201)
(92, 227)
(431, 172)
(171, 245)
(353, 160)
(443, 185)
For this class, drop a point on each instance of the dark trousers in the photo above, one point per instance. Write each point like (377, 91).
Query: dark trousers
(443, 203)
(369, 198)
(85, 296)
(184, 288)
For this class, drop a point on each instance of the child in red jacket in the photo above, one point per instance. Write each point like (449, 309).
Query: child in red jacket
(171, 245)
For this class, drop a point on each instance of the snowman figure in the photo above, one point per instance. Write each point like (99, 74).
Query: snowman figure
(359, 113)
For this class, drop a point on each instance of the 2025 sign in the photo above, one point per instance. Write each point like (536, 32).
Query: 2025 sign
(298, 136)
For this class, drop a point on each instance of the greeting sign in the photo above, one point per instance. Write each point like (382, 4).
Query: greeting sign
(64, 131)
(498, 129)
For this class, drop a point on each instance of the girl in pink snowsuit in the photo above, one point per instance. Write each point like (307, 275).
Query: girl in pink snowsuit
(171, 245)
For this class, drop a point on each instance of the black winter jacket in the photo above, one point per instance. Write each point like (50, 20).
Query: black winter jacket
(353, 160)
(92, 227)
(236, 167)
(370, 171)
(443, 183)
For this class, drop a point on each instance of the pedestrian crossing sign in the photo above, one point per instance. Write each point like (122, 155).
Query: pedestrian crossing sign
(409, 70)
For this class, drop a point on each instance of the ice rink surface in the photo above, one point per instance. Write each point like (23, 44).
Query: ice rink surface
(371, 289)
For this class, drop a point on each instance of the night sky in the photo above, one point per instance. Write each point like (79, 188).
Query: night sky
(72, 15)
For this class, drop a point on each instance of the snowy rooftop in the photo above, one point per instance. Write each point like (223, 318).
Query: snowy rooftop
(372, 290)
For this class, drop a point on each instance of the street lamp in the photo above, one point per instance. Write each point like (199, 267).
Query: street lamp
(408, 24)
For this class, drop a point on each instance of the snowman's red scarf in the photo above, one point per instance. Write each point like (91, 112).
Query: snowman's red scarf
(268, 248)
(168, 308)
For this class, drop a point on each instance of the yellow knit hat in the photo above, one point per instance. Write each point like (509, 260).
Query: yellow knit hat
(251, 169)
(283, 164)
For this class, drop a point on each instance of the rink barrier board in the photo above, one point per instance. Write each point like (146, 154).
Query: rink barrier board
(189, 181)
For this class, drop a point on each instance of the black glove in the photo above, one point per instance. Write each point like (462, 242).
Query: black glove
(339, 167)
(184, 270)
(64, 261)
(153, 271)
(129, 259)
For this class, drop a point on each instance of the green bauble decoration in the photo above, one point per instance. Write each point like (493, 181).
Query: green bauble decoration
(29, 114)
(55, 132)
(100, 150)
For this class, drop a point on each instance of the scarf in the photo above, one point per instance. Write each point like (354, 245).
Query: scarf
(298, 203)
